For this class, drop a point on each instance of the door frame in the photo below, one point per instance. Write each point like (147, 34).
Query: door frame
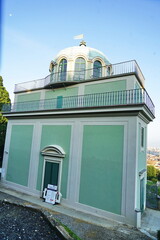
(52, 160)
(53, 154)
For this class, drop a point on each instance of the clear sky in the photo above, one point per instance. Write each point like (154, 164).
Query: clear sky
(34, 31)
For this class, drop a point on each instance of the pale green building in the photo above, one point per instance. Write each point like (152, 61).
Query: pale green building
(83, 128)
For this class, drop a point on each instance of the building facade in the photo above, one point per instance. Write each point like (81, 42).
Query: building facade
(84, 129)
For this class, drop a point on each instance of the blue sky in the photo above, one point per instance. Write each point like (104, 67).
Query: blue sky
(33, 32)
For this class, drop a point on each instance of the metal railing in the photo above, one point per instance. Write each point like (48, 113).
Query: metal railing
(78, 76)
(116, 98)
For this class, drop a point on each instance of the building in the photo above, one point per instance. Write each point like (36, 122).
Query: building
(82, 128)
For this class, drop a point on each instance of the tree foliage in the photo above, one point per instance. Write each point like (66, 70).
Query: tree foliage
(151, 172)
(4, 98)
(158, 175)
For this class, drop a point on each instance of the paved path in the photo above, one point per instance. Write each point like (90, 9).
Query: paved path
(151, 221)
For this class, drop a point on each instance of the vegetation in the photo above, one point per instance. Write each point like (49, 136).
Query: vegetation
(4, 98)
(158, 175)
(72, 234)
(158, 235)
(153, 175)
(151, 172)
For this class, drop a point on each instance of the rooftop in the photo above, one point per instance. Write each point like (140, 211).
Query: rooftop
(58, 79)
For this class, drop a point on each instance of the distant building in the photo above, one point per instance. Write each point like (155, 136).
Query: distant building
(82, 128)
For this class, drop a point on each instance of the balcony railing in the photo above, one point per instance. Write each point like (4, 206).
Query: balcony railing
(79, 76)
(116, 98)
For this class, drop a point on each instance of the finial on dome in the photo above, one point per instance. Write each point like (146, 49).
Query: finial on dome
(82, 43)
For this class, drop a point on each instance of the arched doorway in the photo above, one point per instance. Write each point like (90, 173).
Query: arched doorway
(52, 166)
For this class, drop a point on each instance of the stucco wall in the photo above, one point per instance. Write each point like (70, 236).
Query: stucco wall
(58, 135)
(101, 169)
(28, 97)
(19, 154)
(105, 87)
(61, 92)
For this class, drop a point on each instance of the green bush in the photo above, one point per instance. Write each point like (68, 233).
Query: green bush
(154, 180)
(158, 175)
(158, 235)
(151, 172)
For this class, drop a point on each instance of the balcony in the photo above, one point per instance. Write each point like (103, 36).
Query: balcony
(107, 99)
(72, 77)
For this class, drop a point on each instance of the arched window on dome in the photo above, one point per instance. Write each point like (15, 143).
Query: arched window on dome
(80, 67)
(97, 69)
(62, 70)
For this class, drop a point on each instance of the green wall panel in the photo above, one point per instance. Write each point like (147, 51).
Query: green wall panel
(23, 100)
(19, 154)
(65, 92)
(56, 135)
(28, 97)
(101, 169)
(58, 98)
(105, 87)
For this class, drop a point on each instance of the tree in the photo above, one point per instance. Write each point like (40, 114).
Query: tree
(151, 172)
(158, 175)
(4, 98)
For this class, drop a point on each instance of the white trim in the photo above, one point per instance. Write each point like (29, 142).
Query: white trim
(79, 111)
(43, 93)
(136, 161)
(81, 90)
(75, 163)
(34, 159)
(6, 151)
(131, 171)
(124, 170)
(53, 151)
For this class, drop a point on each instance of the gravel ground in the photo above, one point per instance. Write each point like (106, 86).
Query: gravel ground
(17, 222)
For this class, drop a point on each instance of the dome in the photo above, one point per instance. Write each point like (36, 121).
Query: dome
(87, 52)
(78, 63)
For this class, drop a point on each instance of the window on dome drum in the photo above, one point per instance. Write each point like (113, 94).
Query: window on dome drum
(80, 67)
(97, 69)
(62, 70)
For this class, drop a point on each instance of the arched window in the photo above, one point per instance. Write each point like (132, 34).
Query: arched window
(97, 69)
(80, 67)
(62, 70)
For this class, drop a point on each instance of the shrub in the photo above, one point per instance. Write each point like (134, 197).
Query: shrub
(151, 172)
(154, 180)
(158, 235)
(158, 175)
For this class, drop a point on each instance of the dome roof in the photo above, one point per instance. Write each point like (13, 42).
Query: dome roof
(88, 52)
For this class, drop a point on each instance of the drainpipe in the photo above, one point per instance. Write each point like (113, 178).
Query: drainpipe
(138, 217)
